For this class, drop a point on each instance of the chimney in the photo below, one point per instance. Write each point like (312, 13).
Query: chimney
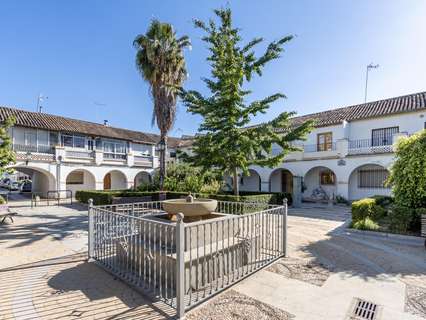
(106, 123)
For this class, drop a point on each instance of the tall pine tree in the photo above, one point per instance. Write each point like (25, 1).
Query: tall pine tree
(226, 141)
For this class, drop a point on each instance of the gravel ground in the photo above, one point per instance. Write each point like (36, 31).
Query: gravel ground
(415, 302)
(303, 270)
(232, 305)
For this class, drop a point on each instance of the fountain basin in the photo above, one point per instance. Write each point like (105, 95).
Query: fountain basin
(199, 207)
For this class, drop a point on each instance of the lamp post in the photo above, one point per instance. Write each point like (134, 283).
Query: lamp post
(370, 66)
(161, 147)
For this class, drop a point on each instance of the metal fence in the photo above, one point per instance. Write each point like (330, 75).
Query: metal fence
(365, 146)
(33, 148)
(185, 263)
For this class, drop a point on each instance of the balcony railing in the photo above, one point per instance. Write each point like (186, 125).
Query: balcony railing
(144, 161)
(365, 146)
(319, 147)
(33, 149)
(79, 154)
(114, 156)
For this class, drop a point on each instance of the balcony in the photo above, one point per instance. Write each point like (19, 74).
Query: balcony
(143, 161)
(369, 146)
(79, 154)
(23, 148)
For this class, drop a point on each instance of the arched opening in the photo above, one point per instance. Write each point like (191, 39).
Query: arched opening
(42, 180)
(368, 180)
(142, 178)
(281, 180)
(250, 182)
(319, 184)
(80, 179)
(115, 180)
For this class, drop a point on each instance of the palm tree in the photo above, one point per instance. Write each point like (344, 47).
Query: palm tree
(160, 61)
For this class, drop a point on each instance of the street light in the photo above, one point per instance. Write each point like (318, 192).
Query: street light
(370, 66)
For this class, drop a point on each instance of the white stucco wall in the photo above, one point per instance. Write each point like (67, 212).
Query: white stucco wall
(250, 183)
(118, 180)
(356, 193)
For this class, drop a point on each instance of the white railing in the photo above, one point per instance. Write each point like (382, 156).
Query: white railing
(145, 161)
(115, 156)
(319, 147)
(79, 154)
(184, 263)
(33, 148)
(366, 146)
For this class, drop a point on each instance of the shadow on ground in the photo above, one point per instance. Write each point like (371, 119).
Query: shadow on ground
(70, 287)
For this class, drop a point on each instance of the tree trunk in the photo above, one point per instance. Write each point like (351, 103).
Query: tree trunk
(236, 183)
(163, 140)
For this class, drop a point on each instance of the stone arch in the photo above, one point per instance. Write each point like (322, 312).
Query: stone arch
(142, 177)
(367, 180)
(281, 180)
(251, 182)
(320, 184)
(115, 180)
(80, 179)
(42, 180)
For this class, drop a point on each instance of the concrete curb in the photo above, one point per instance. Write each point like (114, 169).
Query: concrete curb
(405, 238)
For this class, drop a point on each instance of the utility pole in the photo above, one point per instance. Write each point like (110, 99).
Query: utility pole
(370, 66)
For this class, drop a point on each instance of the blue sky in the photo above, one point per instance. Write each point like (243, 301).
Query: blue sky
(79, 53)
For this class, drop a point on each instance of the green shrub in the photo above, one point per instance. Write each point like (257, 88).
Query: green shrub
(2, 201)
(341, 199)
(365, 224)
(401, 219)
(99, 197)
(408, 173)
(383, 201)
(367, 208)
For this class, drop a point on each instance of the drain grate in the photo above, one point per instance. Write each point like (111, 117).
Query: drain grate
(364, 310)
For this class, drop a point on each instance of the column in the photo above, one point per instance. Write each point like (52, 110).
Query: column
(297, 191)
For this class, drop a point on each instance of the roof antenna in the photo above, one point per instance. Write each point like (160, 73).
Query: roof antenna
(105, 123)
(370, 66)
(40, 99)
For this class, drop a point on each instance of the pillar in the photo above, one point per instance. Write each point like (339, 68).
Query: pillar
(297, 191)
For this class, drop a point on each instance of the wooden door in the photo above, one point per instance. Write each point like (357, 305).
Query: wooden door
(107, 181)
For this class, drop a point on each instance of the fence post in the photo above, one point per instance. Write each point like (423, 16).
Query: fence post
(180, 266)
(284, 231)
(91, 228)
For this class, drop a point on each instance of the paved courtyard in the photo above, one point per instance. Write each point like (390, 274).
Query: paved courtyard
(44, 275)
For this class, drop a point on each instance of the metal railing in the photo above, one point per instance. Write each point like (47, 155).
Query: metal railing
(114, 156)
(79, 154)
(58, 196)
(364, 146)
(185, 263)
(33, 148)
(319, 147)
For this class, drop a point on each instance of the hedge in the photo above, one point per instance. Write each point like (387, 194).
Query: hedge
(367, 208)
(106, 197)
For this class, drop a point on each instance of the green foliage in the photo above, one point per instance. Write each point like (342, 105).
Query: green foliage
(408, 173)
(341, 199)
(183, 177)
(7, 156)
(367, 208)
(383, 201)
(2, 200)
(227, 141)
(365, 224)
(401, 218)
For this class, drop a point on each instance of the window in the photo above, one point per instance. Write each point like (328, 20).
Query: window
(53, 139)
(76, 177)
(383, 136)
(327, 177)
(324, 141)
(372, 178)
(90, 144)
(114, 150)
(30, 138)
(73, 141)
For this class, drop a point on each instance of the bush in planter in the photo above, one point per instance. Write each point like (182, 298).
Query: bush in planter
(367, 208)
(383, 201)
(365, 224)
(401, 219)
(2, 200)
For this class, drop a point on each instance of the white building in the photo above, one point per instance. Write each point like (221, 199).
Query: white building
(66, 154)
(348, 154)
